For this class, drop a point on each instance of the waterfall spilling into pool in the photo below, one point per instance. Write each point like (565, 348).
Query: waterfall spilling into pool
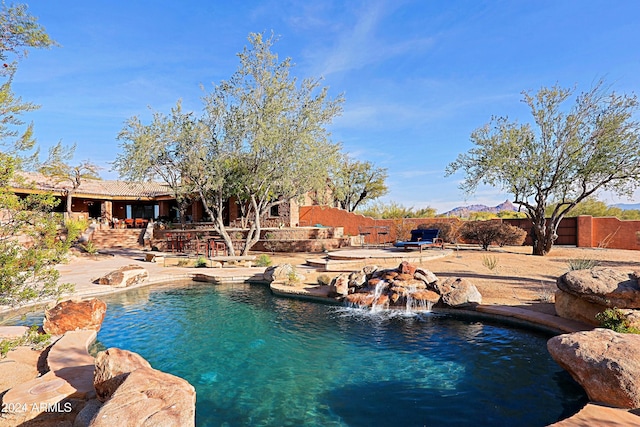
(256, 359)
(378, 301)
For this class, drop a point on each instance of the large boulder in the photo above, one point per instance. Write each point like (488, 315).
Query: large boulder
(406, 268)
(604, 362)
(603, 286)
(426, 276)
(127, 275)
(570, 306)
(339, 286)
(458, 292)
(148, 397)
(357, 279)
(426, 296)
(73, 315)
(283, 273)
(112, 367)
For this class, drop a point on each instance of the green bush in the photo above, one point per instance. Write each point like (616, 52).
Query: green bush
(616, 320)
(201, 262)
(32, 337)
(491, 262)
(263, 261)
(89, 248)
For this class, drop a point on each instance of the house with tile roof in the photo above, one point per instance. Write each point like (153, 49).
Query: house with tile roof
(120, 202)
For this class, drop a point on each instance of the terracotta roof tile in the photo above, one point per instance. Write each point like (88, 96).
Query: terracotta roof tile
(95, 187)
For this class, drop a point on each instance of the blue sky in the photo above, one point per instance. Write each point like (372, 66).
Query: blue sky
(418, 76)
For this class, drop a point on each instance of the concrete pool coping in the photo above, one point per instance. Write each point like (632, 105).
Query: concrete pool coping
(83, 272)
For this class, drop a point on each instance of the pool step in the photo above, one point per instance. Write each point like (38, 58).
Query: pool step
(70, 376)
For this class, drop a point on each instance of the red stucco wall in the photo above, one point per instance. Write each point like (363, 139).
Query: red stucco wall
(609, 232)
(606, 232)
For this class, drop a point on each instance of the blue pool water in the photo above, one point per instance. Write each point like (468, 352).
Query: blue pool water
(260, 360)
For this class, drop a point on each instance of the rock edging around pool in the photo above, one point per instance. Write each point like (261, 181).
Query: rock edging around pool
(621, 388)
(117, 388)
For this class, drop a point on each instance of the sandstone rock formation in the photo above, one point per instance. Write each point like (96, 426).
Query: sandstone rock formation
(283, 273)
(584, 293)
(457, 292)
(125, 276)
(604, 362)
(73, 315)
(605, 286)
(339, 286)
(404, 286)
(112, 368)
(148, 397)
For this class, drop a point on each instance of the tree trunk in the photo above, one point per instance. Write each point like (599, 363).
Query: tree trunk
(543, 234)
(253, 235)
(69, 203)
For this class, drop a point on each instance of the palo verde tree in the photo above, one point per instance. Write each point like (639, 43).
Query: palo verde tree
(564, 157)
(58, 166)
(286, 149)
(262, 139)
(156, 151)
(266, 137)
(353, 182)
(29, 240)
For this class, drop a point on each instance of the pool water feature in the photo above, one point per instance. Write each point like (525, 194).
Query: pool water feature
(256, 359)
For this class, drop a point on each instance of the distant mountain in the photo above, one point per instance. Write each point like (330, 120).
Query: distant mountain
(627, 206)
(465, 211)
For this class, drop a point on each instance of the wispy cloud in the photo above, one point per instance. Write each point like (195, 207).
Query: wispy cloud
(360, 45)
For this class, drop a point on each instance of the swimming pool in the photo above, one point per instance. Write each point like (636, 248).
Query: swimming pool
(256, 359)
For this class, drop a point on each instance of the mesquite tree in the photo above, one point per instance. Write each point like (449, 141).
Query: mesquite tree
(353, 183)
(567, 155)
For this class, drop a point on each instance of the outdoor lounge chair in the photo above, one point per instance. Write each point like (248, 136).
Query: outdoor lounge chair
(421, 239)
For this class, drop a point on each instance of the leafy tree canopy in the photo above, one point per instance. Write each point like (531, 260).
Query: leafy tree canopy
(353, 182)
(394, 210)
(30, 242)
(262, 138)
(563, 157)
(597, 208)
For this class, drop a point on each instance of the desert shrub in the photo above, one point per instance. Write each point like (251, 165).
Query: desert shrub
(616, 320)
(487, 232)
(293, 276)
(89, 248)
(201, 262)
(491, 262)
(324, 280)
(482, 232)
(546, 293)
(449, 231)
(510, 235)
(402, 230)
(263, 260)
(582, 264)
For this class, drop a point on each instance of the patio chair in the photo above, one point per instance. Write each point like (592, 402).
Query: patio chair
(422, 238)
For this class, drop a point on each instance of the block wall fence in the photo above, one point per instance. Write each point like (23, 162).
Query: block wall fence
(583, 231)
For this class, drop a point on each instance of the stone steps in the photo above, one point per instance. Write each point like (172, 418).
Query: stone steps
(70, 376)
(118, 238)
